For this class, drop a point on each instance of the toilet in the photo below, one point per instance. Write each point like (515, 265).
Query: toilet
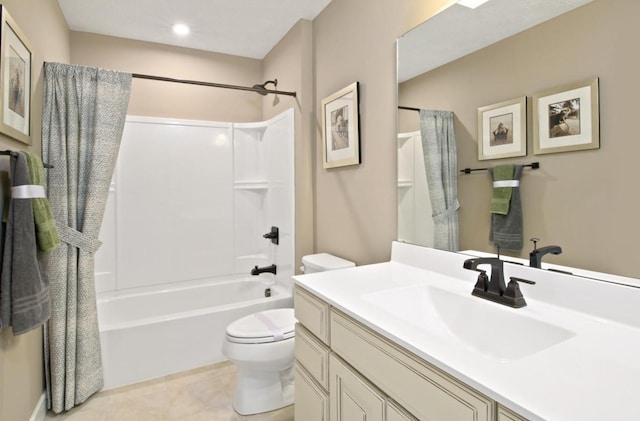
(261, 346)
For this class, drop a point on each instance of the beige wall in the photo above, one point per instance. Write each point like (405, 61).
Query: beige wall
(584, 201)
(177, 100)
(291, 62)
(355, 41)
(21, 368)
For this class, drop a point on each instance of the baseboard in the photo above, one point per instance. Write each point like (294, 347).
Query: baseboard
(40, 411)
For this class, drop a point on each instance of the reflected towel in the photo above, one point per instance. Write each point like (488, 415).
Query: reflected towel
(506, 230)
(5, 199)
(46, 232)
(24, 290)
(501, 197)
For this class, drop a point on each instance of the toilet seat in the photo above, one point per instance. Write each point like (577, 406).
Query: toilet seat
(263, 327)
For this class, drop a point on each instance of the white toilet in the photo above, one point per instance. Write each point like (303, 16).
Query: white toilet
(261, 346)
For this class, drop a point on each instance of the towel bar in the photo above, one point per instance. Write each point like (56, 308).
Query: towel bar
(533, 165)
(14, 154)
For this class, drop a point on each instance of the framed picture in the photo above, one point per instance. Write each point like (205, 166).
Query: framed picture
(341, 128)
(502, 129)
(15, 80)
(566, 118)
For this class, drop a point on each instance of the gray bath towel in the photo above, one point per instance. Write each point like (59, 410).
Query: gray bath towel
(24, 291)
(5, 198)
(506, 230)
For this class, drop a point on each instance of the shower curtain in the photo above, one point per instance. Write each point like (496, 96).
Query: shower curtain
(441, 163)
(82, 121)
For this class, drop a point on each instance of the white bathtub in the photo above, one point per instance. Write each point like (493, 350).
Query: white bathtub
(151, 332)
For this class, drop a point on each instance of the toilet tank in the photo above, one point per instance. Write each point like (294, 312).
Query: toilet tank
(322, 262)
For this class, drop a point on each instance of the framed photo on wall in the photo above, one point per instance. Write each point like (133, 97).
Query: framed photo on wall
(502, 129)
(341, 128)
(15, 80)
(566, 118)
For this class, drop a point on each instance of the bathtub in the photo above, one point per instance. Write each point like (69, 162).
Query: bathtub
(152, 332)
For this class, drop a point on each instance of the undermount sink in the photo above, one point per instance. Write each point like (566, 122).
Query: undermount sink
(486, 327)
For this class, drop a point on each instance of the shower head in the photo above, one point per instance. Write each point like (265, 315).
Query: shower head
(261, 89)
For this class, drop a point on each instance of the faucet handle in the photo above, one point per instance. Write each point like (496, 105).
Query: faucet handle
(526, 281)
(535, 243)
(513, 295)
(483, 281)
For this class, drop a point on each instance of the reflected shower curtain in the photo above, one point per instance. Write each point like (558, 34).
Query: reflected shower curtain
(441, 163)
(82, 122)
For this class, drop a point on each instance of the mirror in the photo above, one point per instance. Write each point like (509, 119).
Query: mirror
(571, 200)
(453, 33)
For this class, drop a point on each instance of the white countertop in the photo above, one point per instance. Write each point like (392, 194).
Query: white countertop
(592, 375)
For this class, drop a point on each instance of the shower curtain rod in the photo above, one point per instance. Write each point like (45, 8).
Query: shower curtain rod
(213, 85)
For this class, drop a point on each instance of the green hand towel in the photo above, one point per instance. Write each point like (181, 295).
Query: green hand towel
(501, 195)
(46, 232)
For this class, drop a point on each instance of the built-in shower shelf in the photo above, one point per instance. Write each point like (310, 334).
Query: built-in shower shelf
(405, 183)
(403, 137)
(252, 257)
(251, 185)
(258, 128)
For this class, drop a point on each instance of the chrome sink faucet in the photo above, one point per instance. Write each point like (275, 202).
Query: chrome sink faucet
(494, 289)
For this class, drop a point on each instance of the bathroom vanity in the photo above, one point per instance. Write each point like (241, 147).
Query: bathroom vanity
(406, 340)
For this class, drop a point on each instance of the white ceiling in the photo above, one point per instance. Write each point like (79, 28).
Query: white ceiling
(247, 28)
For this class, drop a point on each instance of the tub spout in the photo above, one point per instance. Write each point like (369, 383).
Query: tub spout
(257, 271)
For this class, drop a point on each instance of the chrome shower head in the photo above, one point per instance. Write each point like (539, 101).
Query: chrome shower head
(262, 88)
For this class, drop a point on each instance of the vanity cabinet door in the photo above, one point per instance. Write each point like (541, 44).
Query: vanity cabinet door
(312, 403)
(396, 413)
(505, 414)
(352, 397)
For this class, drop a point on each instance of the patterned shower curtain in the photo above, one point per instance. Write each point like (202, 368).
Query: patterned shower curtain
(441, 163)
(82, 122)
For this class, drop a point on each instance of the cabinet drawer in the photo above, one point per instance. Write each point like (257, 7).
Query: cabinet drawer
(312, 403)
(425, 391)
(505, 414)
(313, 355)
(312, 312)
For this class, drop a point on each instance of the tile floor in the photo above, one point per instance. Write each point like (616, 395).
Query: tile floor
(204, 394)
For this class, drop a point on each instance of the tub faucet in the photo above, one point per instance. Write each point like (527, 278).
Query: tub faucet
(535, 257)
(494, 289)
(257, 271)
(273, 235)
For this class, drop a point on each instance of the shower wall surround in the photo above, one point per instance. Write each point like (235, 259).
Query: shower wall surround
(192, 199)
(415, 225)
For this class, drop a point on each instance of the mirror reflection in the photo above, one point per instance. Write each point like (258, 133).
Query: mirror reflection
(577, 200)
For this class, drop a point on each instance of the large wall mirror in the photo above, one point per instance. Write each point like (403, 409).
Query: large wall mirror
(463, 59)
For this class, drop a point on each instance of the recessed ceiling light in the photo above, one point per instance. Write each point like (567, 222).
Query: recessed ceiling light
(472, 3)
(180, 29)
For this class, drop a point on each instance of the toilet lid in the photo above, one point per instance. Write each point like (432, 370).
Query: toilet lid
(264, 326)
